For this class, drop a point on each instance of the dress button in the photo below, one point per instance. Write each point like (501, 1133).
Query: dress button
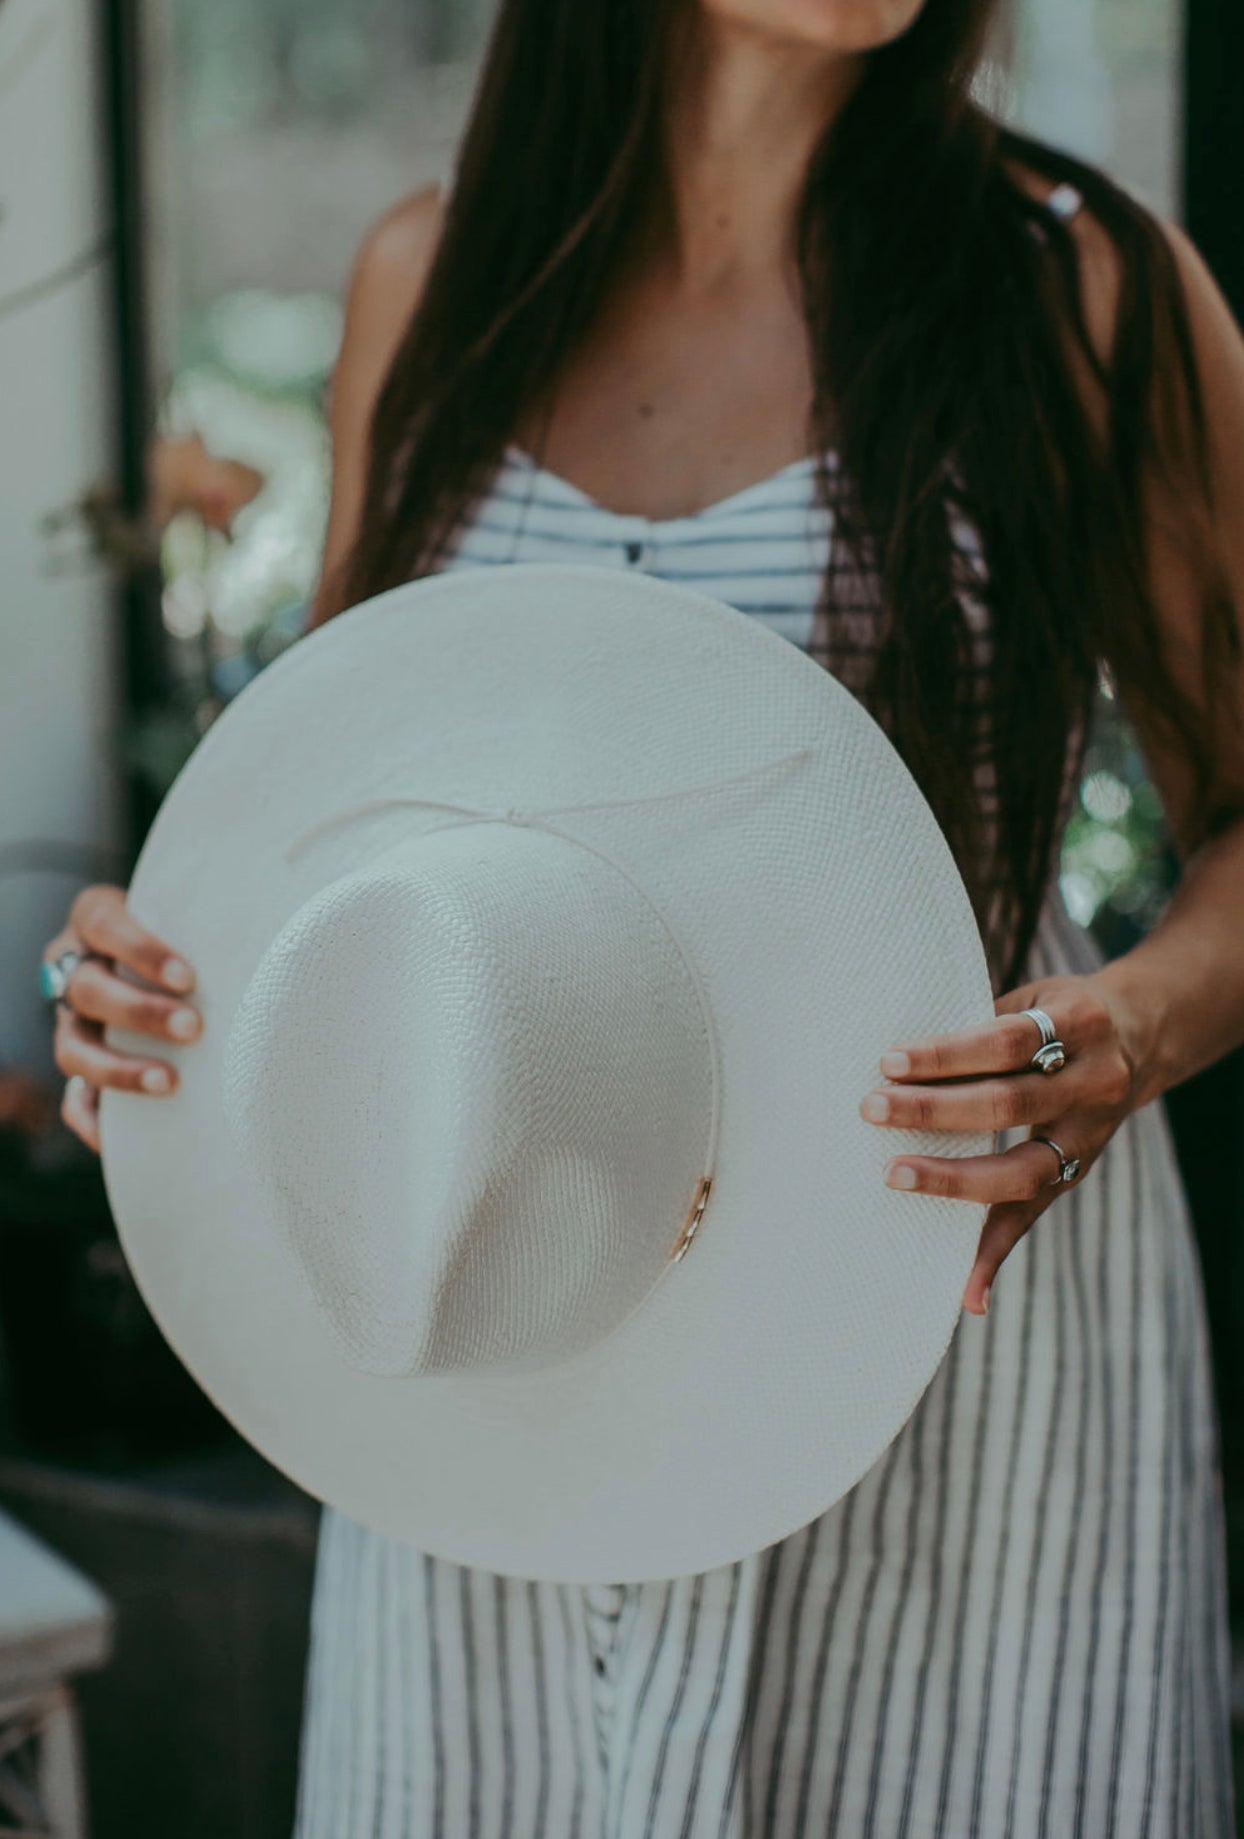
(634, 551)
(599, 1663)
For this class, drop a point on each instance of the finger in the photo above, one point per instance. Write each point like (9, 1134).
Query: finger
(1022, 1172)
(106, 924)
(79, 1049)
(975, 1104)
(1080, 1013)
(96, 992)
(1004, 1227)
(67, 939)
(79, 1107)
(1000, 1046)
(1007, 1043)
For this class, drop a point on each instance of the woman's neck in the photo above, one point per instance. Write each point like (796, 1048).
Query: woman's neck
(743, 113)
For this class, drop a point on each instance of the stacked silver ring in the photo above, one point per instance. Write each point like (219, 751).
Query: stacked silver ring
(1052, 1053)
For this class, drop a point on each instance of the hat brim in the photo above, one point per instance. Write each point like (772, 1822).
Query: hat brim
(769, 1368)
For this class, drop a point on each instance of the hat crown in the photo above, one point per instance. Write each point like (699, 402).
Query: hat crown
(476, 1081)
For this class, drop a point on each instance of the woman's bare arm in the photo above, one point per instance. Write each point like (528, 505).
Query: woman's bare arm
(388, 273)
(1183, 985)
(1147, 1020)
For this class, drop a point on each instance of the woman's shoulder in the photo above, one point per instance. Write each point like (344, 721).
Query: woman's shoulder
(395, 253)
(1100, 259)
(387, 276)
(1096, 250)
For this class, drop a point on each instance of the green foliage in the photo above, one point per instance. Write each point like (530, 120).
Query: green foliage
(1116, 863)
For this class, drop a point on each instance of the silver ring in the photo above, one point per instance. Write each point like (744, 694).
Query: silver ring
(76, 1080)
(54, 975)
(1048, 1031)
(1052, 1052)
(1068, 1166)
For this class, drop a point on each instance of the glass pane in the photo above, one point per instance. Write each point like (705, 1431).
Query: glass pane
(1102, 78)
(277, 131)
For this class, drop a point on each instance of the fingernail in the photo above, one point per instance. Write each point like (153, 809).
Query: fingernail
(178, 974)
(985, 1298)
(154, 1079)
(900, 1175)
(895, 1065)
(183, 1023)
(876, 1107)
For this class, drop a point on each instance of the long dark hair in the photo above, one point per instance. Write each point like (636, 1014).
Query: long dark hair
(950, 354)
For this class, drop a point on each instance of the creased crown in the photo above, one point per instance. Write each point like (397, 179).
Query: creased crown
(474, 1082)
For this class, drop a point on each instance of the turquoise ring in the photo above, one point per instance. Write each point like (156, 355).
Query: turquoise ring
(54, 975)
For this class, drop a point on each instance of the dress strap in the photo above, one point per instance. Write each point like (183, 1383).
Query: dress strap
(1065, 200)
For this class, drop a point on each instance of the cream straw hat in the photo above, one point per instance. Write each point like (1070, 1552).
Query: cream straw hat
(550, 923)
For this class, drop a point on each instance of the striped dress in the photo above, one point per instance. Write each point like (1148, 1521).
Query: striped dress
(1013, 1625)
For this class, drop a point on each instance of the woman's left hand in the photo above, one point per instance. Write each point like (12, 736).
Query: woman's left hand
(982, 1079)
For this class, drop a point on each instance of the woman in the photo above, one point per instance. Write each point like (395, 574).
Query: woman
(751, 293)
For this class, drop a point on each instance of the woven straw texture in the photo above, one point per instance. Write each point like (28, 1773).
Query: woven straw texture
(770, 1368)
(475, 1126)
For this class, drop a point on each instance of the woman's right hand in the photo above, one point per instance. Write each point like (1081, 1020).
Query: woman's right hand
(101, 925)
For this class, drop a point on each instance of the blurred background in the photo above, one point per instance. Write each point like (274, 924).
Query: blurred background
(182, 189)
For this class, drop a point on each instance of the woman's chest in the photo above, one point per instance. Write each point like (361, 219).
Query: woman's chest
(667, 407)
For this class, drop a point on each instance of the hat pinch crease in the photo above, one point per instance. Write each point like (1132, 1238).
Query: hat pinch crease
(536, 820)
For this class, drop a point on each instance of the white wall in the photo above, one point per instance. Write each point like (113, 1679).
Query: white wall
(58, 676)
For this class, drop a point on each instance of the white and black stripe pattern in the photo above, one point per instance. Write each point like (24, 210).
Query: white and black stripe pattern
(1014, 1627)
